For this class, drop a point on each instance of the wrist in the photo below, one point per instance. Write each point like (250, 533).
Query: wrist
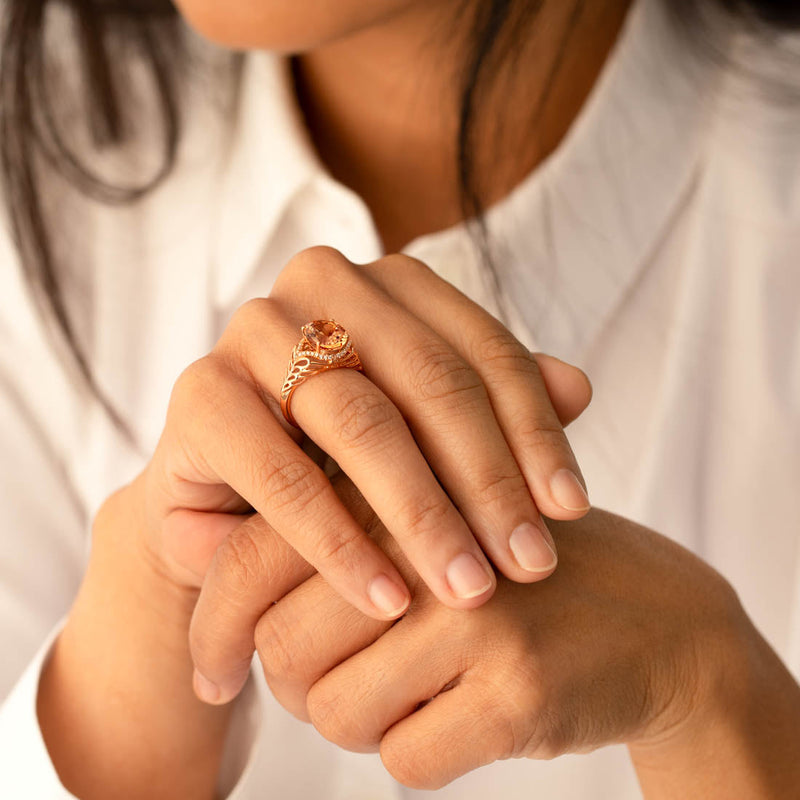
(713, 673)
(738, 736)
(115, 703)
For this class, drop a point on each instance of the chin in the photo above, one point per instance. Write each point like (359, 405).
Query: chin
(285, 26)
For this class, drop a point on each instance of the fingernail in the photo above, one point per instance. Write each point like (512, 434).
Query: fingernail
(467, 578)
(213, 693)
(568, 491)
(530, 548)
(207, 691)
(387, 596)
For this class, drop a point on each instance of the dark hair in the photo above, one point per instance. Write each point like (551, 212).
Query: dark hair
(34, 140)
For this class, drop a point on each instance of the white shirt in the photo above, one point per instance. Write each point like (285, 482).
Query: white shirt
(656, 248)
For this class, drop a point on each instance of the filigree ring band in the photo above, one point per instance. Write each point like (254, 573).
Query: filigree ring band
(325, 345)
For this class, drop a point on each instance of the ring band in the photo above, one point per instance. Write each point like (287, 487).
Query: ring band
(325, 345)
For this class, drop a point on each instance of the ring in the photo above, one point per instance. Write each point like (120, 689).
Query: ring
(325, 345)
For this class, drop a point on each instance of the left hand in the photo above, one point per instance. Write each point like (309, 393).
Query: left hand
(623, 643)
(254, 566)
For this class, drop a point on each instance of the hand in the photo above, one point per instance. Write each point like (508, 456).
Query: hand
(256, 567)
(621, 644)
(450, 431)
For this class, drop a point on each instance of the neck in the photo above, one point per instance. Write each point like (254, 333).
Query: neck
(382, 107)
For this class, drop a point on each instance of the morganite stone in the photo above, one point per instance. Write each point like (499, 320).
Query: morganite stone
(325, 334)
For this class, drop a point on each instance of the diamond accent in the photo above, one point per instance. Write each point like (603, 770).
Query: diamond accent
(327, 357)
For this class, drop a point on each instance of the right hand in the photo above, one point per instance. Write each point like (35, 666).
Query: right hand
(226, 451)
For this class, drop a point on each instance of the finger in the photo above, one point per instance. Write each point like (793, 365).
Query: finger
(192, 537)
(220, 432)
(312, 629)
(447, 409)
(569, 388)
(350, 418)
(252, 568)
(456, 732)
(357, 702)
(305, 635)
(510, 374)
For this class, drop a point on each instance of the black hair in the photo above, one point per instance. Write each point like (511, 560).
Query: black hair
(34, 142)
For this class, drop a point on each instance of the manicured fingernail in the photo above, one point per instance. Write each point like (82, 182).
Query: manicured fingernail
(531, 549)
(467, 578)
(387, 596)
(568, 491)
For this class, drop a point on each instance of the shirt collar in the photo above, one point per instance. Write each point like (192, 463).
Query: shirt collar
(571, 237)
(270, 159)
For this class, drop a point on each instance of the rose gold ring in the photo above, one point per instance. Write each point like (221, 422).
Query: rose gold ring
(325, 345)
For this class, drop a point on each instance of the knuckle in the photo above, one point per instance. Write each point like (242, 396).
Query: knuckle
(198, 386)
(253, 315)
(536, 434)
(366, 419)
(401, 757)
(503, 351)
(547, 738)
(312, 257)
(507, 733)
(348, 724)
(400, 262)
(196, 409)
(303, 269)
(290, 697)
(277, 647)
(328, 714)
(289, 484)
(339, 553)
(423, 518)
(438, 374)
(503, 721)
(494, 488)
(495, 722)
(520, 736)
(520, 695)
(239, 562)
(252, 312)
(416, 763)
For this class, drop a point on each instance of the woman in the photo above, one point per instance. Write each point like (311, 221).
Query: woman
(634, 229)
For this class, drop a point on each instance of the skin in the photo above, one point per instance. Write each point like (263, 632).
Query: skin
(632, 640)
(182, 541)
(350, 57)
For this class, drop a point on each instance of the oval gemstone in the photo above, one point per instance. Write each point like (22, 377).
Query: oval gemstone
(325, 334)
